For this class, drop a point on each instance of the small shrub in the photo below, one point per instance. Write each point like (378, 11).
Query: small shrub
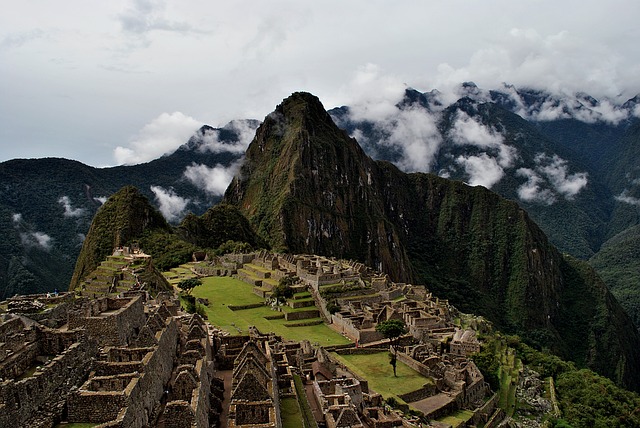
(333, 307)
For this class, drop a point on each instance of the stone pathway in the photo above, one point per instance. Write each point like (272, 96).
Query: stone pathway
(226, 376)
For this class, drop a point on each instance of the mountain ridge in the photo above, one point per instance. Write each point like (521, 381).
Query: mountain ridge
(434, 229)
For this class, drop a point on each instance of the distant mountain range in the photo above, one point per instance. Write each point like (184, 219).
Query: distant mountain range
(306, 186)
(570, 162)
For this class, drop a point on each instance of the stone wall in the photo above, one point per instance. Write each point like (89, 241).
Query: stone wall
(103, 399)
(483, 413)
(98, 406)
(178, 414)
(415, 365)
(38, 398)
(16, 364)
(117, 321)
(302, 315)
(56, 316)
(346, 326)
(150, 387)
(428, 390)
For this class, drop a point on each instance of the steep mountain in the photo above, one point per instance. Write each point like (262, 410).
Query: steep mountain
(509, 142)
(306, 186)
(221, 223)
(123, 218)
(46, 205)
(618, 263)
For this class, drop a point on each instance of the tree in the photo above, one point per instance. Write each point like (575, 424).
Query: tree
(283, 290)
(392, 330)
(187, 285)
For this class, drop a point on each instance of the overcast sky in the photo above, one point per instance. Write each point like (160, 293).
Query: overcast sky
(108, 82)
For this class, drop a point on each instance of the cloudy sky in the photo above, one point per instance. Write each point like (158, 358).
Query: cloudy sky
(127, 80)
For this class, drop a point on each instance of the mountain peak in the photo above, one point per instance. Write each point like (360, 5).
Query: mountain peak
(122, 218)
(306, 186)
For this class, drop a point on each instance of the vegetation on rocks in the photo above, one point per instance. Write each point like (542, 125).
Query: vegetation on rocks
(119, 222)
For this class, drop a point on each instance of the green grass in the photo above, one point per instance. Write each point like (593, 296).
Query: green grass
(377, 370)
(308, 420)
(290, 412)
(257, 268)
(457, 418)
(224, 291)
(508, 375)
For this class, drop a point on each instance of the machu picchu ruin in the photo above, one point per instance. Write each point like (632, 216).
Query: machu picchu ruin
(123, 352)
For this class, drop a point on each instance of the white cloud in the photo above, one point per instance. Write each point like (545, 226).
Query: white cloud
(373, 95)
(627, 199)
(101, 199)
(483, 170)
(564, 62)
(171, 205)
(17, 217)
(556, 171)
(245, 130)
(531, 190)
(549, 179)
(565, 106)
(69, 211)
(411, 130)
(213, 180)
(161, 136)
(636, 110)
(468, 131)
(36, 239)
(71, 79)
(144, 16)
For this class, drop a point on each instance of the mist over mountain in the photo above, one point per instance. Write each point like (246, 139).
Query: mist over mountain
(569, 161)
(47, 205)
(306, 186)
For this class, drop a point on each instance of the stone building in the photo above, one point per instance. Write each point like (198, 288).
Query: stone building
(254, 393)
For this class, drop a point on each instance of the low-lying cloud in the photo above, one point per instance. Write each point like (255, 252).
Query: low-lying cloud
(163, 135)
(532, 190)
(244, 129)
(411, 131)
(468, 131)
(549, 180)
(565, 62)
(69, 211)
(36, 239)
(557, 172)
(213, 180)
(628, 199)
(483, 170)
(170, 204)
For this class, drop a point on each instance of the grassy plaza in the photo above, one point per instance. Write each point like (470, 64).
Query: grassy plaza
(224, 291)
(377, 370)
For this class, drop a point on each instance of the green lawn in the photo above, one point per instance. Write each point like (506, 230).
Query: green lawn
(224, 291)
(457, 418)
(290, 411)
(377, 370)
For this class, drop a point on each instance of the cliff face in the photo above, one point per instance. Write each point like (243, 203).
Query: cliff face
(122, 218)
(307, 187)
